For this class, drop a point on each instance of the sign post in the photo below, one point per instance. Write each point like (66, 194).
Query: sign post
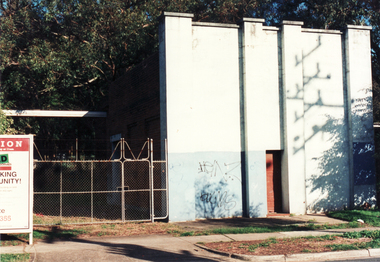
(16, 184)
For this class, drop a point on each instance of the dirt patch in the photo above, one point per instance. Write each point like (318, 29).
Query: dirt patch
(122, 229)
(284, 246)
(51, 233)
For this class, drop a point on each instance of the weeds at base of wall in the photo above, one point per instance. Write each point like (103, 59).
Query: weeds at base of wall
(14, 257)
(312, 244)
(370, 216)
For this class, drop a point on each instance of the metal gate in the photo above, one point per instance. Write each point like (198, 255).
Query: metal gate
(101, 191)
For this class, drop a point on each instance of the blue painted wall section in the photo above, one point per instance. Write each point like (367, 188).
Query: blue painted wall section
(218, 185)
(364, 163)
(182, 171)
(204, 185)
(256, 170)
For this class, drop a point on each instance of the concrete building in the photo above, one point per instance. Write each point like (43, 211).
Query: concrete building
(259, 119)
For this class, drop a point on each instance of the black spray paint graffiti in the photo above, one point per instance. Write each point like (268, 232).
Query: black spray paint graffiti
(214, 169)
(219, 199)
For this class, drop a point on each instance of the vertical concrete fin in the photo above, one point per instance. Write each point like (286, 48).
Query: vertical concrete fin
(358, 95)
(293, 170)
(247, 25)
(175, 54)
(162, 79)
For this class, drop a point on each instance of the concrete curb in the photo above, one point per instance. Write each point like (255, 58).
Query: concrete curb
(363, 253)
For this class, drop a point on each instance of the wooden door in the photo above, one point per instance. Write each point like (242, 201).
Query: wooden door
(274, 192)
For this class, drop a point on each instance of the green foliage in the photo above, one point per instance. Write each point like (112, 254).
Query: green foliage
(246, 230)
(265, 243)
(352, 235)
(108, 226)
(101, 233)
(15, 257)
(189, 233)
(174, 232)
(327, 237)
(63, 54)
(38, 235)
(365, 233)
(342, 247)
(6, 125)
(373, 244)
(354, 224)
(370, 217)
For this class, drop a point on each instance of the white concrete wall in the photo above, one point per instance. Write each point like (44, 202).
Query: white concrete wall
(261, 107)
(359, 80)
(229, 93)
(326, 132)
(359, 86)
(293, 172)
(200, 102)
(216, 120)
(215, 72)
(176, 114)
(262, 95)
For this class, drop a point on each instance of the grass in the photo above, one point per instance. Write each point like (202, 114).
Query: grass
(48, 234)
(14, 257)
(189, 233)
(250, 229)
(370, 217)
(342, 247)
(51, 233)
(373, 243)
(310, 226)
(265, 243)
(57, 233)
(173, 232)
(102, 234)
(110, 226)
(46, 220)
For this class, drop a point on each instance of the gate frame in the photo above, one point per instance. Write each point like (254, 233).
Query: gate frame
(120, 160)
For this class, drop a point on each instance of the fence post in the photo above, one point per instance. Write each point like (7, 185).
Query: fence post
(92, 191)
(167, 177)
(60, 196)
(122, 181)
(152, 182)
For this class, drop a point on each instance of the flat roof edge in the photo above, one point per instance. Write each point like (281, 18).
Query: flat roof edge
(54, 113)
(206, 24)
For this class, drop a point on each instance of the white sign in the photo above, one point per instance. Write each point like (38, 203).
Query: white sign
(16, 184)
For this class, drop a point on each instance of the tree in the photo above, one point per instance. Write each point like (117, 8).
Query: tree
(64, 54)
(6, 125)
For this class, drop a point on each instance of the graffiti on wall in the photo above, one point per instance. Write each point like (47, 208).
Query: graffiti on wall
(218, 188)
(219, 198)
(214, 169)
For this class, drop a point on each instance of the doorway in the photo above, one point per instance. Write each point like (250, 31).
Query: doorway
(274, 191)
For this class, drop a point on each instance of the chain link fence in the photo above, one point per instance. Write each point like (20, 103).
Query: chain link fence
(91, 191)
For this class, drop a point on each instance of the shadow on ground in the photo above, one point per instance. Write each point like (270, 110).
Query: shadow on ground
(209, 224)
(123, 252)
